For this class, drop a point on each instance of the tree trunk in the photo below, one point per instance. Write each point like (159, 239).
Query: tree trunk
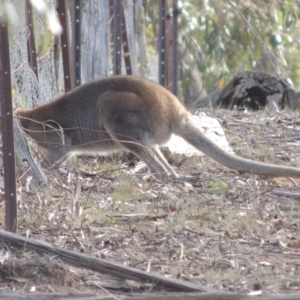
(95, 40)
(141, 38)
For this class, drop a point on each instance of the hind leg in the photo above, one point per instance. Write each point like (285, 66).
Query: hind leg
(145, 153)
(153, 162)
(129, 123)
(163, 161)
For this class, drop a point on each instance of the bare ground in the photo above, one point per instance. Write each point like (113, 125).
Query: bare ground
(229, 231)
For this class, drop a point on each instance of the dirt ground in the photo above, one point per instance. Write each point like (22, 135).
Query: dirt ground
(230, 231)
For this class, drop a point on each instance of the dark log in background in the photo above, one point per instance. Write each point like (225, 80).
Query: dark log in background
(253, 90)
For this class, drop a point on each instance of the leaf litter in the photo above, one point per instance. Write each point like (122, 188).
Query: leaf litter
(229, 231)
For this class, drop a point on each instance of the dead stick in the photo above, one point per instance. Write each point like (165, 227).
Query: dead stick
(84, 261)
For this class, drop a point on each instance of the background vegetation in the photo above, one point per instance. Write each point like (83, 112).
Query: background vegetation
(223, 37)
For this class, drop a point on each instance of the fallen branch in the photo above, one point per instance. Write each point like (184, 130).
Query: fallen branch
(53, 296)
(207, 296)
(38, 177)
(285, 194)
(84, 261)
(143, 296)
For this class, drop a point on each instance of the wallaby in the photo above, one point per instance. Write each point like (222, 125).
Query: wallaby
(129, 113)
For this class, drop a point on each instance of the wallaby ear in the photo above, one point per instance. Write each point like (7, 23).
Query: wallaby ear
(22, 118)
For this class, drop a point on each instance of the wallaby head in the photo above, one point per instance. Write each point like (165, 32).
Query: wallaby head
(129, 113)
(46, 132)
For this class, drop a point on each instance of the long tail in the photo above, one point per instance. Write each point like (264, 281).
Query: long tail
(188, 131)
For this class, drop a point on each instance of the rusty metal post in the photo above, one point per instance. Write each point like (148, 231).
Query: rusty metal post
(162, 43)
(168, 57)
(7, 132)
(62, 7)
(30, 43)
(176, 12)
(126, 50)
(76, 30)
(117, 37)
(111, 29)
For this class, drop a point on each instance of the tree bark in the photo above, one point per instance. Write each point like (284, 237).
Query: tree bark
(141, 38)
(95, 40)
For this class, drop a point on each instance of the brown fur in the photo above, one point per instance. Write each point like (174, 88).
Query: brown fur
(125, 112)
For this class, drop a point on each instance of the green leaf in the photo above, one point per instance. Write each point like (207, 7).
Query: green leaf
(219, 184)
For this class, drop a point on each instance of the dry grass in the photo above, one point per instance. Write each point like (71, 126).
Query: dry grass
(228, 231)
